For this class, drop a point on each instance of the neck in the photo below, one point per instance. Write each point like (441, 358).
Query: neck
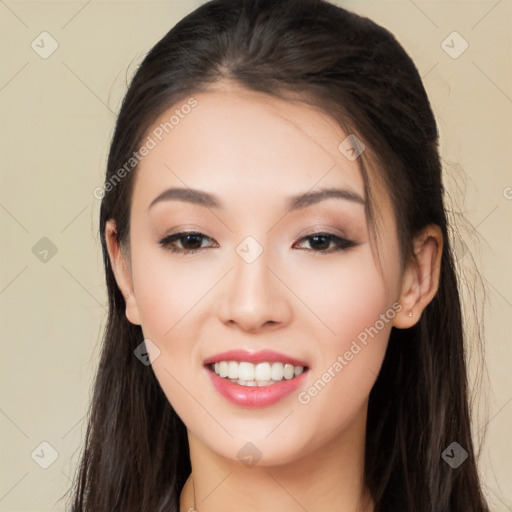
(328, 479)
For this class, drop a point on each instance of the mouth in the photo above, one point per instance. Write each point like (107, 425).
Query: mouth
(255, 379)
(262, 368)
(256, 375)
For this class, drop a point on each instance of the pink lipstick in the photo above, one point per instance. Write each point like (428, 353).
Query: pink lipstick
(257, 391)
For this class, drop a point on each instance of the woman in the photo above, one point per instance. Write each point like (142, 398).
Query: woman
(284, 328)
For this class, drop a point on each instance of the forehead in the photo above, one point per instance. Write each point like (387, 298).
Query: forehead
(247, 146)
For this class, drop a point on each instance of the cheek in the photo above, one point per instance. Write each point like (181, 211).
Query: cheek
(354, 305)
(166, 291)
(173, 302)
(169, 302)
(342, 295)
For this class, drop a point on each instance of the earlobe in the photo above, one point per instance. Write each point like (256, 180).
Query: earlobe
(403, 319)
(421, 277)
(121, 272)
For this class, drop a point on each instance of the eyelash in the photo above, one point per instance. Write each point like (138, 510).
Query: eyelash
(343, 244)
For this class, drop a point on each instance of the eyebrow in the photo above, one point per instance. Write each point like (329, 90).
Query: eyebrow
(296, 202)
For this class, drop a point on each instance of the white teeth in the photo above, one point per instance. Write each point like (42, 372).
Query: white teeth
(288, 371)
(277, 371)
(247, 382)
(223, 369)
(261, 374)
(233, 370)
(245, 371)
(253, 383)
(262, 371)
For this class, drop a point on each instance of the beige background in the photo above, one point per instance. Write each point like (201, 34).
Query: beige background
(56, 119)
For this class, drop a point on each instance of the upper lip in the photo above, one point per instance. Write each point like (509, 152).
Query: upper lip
(261, 356)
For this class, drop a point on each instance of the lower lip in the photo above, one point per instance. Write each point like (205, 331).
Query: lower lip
(255, 396)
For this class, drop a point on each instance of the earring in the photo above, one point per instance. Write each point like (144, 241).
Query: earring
(410, 313)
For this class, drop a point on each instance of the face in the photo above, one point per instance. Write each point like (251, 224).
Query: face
(260, 272)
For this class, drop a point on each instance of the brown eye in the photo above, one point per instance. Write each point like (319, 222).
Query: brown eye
(190, 242)
(320, 242)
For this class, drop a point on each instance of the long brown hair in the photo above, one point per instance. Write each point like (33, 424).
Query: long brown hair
(136, 455)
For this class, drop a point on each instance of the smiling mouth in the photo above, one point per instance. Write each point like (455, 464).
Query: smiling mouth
(255, 375)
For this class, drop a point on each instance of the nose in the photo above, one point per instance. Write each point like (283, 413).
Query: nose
(254, 297)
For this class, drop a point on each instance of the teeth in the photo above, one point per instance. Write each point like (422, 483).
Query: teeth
(253, 383)
(262, 371)
(245, 371)
(261, 374)
(277, 371)
(233, 370)
(223, 369)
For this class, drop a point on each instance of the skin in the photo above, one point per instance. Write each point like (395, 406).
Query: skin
(253, 151)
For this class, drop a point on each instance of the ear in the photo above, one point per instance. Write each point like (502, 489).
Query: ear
(421, 278)
(122, 272)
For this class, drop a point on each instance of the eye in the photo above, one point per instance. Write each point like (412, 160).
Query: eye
(320, 242)
(191, 242)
